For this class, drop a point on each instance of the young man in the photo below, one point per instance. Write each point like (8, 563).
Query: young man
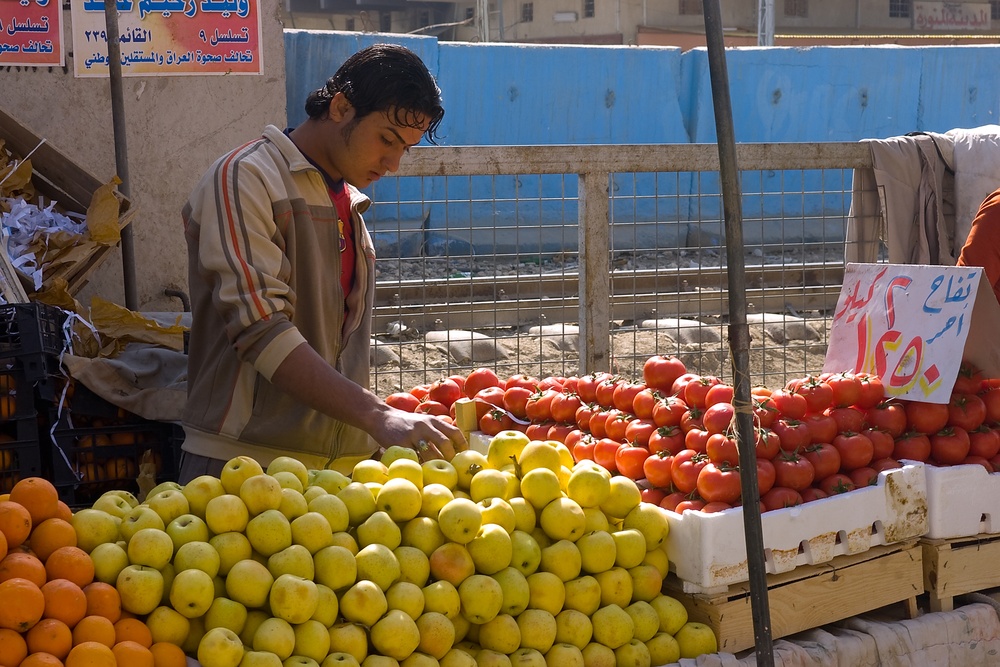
(281, 271)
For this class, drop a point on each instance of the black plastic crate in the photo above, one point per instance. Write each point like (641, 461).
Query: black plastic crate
(32, 334)
(20, 453)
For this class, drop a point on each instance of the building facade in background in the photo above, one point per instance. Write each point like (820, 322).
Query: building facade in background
(659, 22)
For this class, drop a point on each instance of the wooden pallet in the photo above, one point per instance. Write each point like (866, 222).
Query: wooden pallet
(958, 566)
(811, 595)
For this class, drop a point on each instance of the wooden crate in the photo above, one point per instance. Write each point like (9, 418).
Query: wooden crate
(958, 566)
(811, 595)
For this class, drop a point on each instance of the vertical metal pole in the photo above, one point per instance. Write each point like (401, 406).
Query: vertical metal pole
(739, 332)
(593, 238)
(121, 146)
(765, 22)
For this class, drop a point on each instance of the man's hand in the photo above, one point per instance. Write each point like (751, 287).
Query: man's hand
(428, 435)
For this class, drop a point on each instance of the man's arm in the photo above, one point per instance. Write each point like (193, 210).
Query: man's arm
(308, 378)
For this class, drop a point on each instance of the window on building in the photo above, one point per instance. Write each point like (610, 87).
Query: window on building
(690, 8)
(385, 22)
(527, 12)
(305, 6)
(995, 10)
(470, 13)
(900, 9)
(588, 9)
(797, 8)
(350, 25)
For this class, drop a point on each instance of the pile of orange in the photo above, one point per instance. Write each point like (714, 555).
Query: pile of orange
(54, 614)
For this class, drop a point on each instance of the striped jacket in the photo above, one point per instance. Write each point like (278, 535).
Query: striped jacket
(264, 274)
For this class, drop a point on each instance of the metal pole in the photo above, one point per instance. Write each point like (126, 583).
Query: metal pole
(739, 332)
(121, 146)
(765, 22)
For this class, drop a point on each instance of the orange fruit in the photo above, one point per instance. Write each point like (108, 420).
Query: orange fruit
(64, 601)
(23, 604)
(71, 563)
(94, 629)
(51, 534)
(41, 660)
(13, 648)
(3, 546)
(103, 600)
(133, 630)
(24, 565)
(15, 523)
(64, 512)
(91, 654)
(50, 636)
(133, 654)
(37, 495)
(166, 654)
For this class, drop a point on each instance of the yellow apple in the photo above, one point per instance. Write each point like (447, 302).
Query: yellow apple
(150, 546)
(169, 504)
(505, 447)
(220, 647)
(113, 504)
(312, 531)
(538, 629)
(199, 491)
(623, 497)
(333, 509)
(260, 659)
(597, 551)
(140, 588)
(406, 469)
(565, 655)
(192, 593)
(370, 470)
(645, 620)
(312, 640)
(236, 471)
(437, 634)
(187, 528)
(588, 486)
(407, 598)
(377, 563)
(249, 583)
(295, 559)
(673, 615)
(616, 586)
(451, 562)
(516, 592)
(500, 634)
(226, 514)
(524, 514)
(540, 486)
(440, 471)
(293, 598)
(563, 519)
(563, 559)
(481, 597)
(583, 594)
(260, 493)
(197, 555)
(395, 452)
(138, 518)
(292, 465)
(328, 607)
(545, 592)
(364, 603)
(442, 597)
(255, 617)
(379, 528)
(399, 498)
(422, 532)
(467, 463)
(491, 549)
(634, 652)
(109, 560)
(646, 582)
(94, 527)
(630, 547)
(269, 532)
(232, 547)
(613, 627)
(395, 635)
(329, 480)
(598, 655)
(498, 511)
(460, 520)
(526, 554)
(359, 501)
(226, 613)
(168, 625)
(573, 627)
(275, 635)
(335, 567)
(351, 639)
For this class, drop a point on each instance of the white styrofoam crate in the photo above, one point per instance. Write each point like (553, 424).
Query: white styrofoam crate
(708, 551)
(962, 501)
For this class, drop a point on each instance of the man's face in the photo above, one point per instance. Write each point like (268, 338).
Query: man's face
(373, 146)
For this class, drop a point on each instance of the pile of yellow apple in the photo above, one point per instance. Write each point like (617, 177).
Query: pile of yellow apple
(518, 557)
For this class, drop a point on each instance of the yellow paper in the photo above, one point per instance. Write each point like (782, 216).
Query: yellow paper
(103, 214)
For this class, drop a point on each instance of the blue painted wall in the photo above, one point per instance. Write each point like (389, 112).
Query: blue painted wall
(510, 94)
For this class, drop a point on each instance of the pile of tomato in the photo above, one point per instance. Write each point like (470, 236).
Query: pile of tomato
(674, 431)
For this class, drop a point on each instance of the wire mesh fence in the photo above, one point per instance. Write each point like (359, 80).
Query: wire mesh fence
(566, 260)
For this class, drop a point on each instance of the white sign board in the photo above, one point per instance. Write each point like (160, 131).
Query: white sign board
(913, 325)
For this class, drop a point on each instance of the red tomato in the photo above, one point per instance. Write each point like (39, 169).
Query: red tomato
(872, 391)
(950, 445)
(995, 462)
(644, 402)
(864, 476)
(669, 411)
(719, 484)
(584, 448)
(402, 400)
(697, 439)
(564, 406)
(991, 398)
(606, 391)
(539, 405)
(767, 443)
(789, 404)
(793, 471)
(420, 391)
(978, 460)
(558, 432)
(984, 442)
(494, 421)
(692, 418)
(813, 493)
(666, 439)
(764, 411)
(846, 389)
(848, 419)
(765, 476)
(720, 393)
(856, 450)
(822, 427)
(660, 371)
(824, 457)
(722, 449)
(515, 400)
(926, 417)
(604, 453)
(625, 393)
(583, 415)
(818, 395)
(639, 431)
(888, 416)
(538, 430)
(887, 463)
(696, 391)
(656, 469)
(482, 407)
(550, 382)
(671, 500)
(492, 395)
(444, 391)
(586, 387)
(652, 496)
(882, 443)
(617, 424)
(836, 484)
(574, 436)
(680, 384)
(970, 378)
(569, 384)
(780, 497)
(966, 411)
(429, 407)
(521, 380)
(912, 446)
(717, 506)
(693, 504)
(718, 417)
(598, 424)
(685, 468)
(629, 460)
(793, 434)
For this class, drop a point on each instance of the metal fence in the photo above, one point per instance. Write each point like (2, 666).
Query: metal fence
(562, 260)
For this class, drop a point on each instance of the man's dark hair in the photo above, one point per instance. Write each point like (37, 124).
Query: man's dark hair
(383, 78)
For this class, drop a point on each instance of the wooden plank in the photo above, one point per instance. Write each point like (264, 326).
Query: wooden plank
(812, 596)
(959, 566)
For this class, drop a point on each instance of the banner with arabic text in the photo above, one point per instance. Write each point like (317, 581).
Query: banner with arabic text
(31, 33)
(912, 326)
(170, 37)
